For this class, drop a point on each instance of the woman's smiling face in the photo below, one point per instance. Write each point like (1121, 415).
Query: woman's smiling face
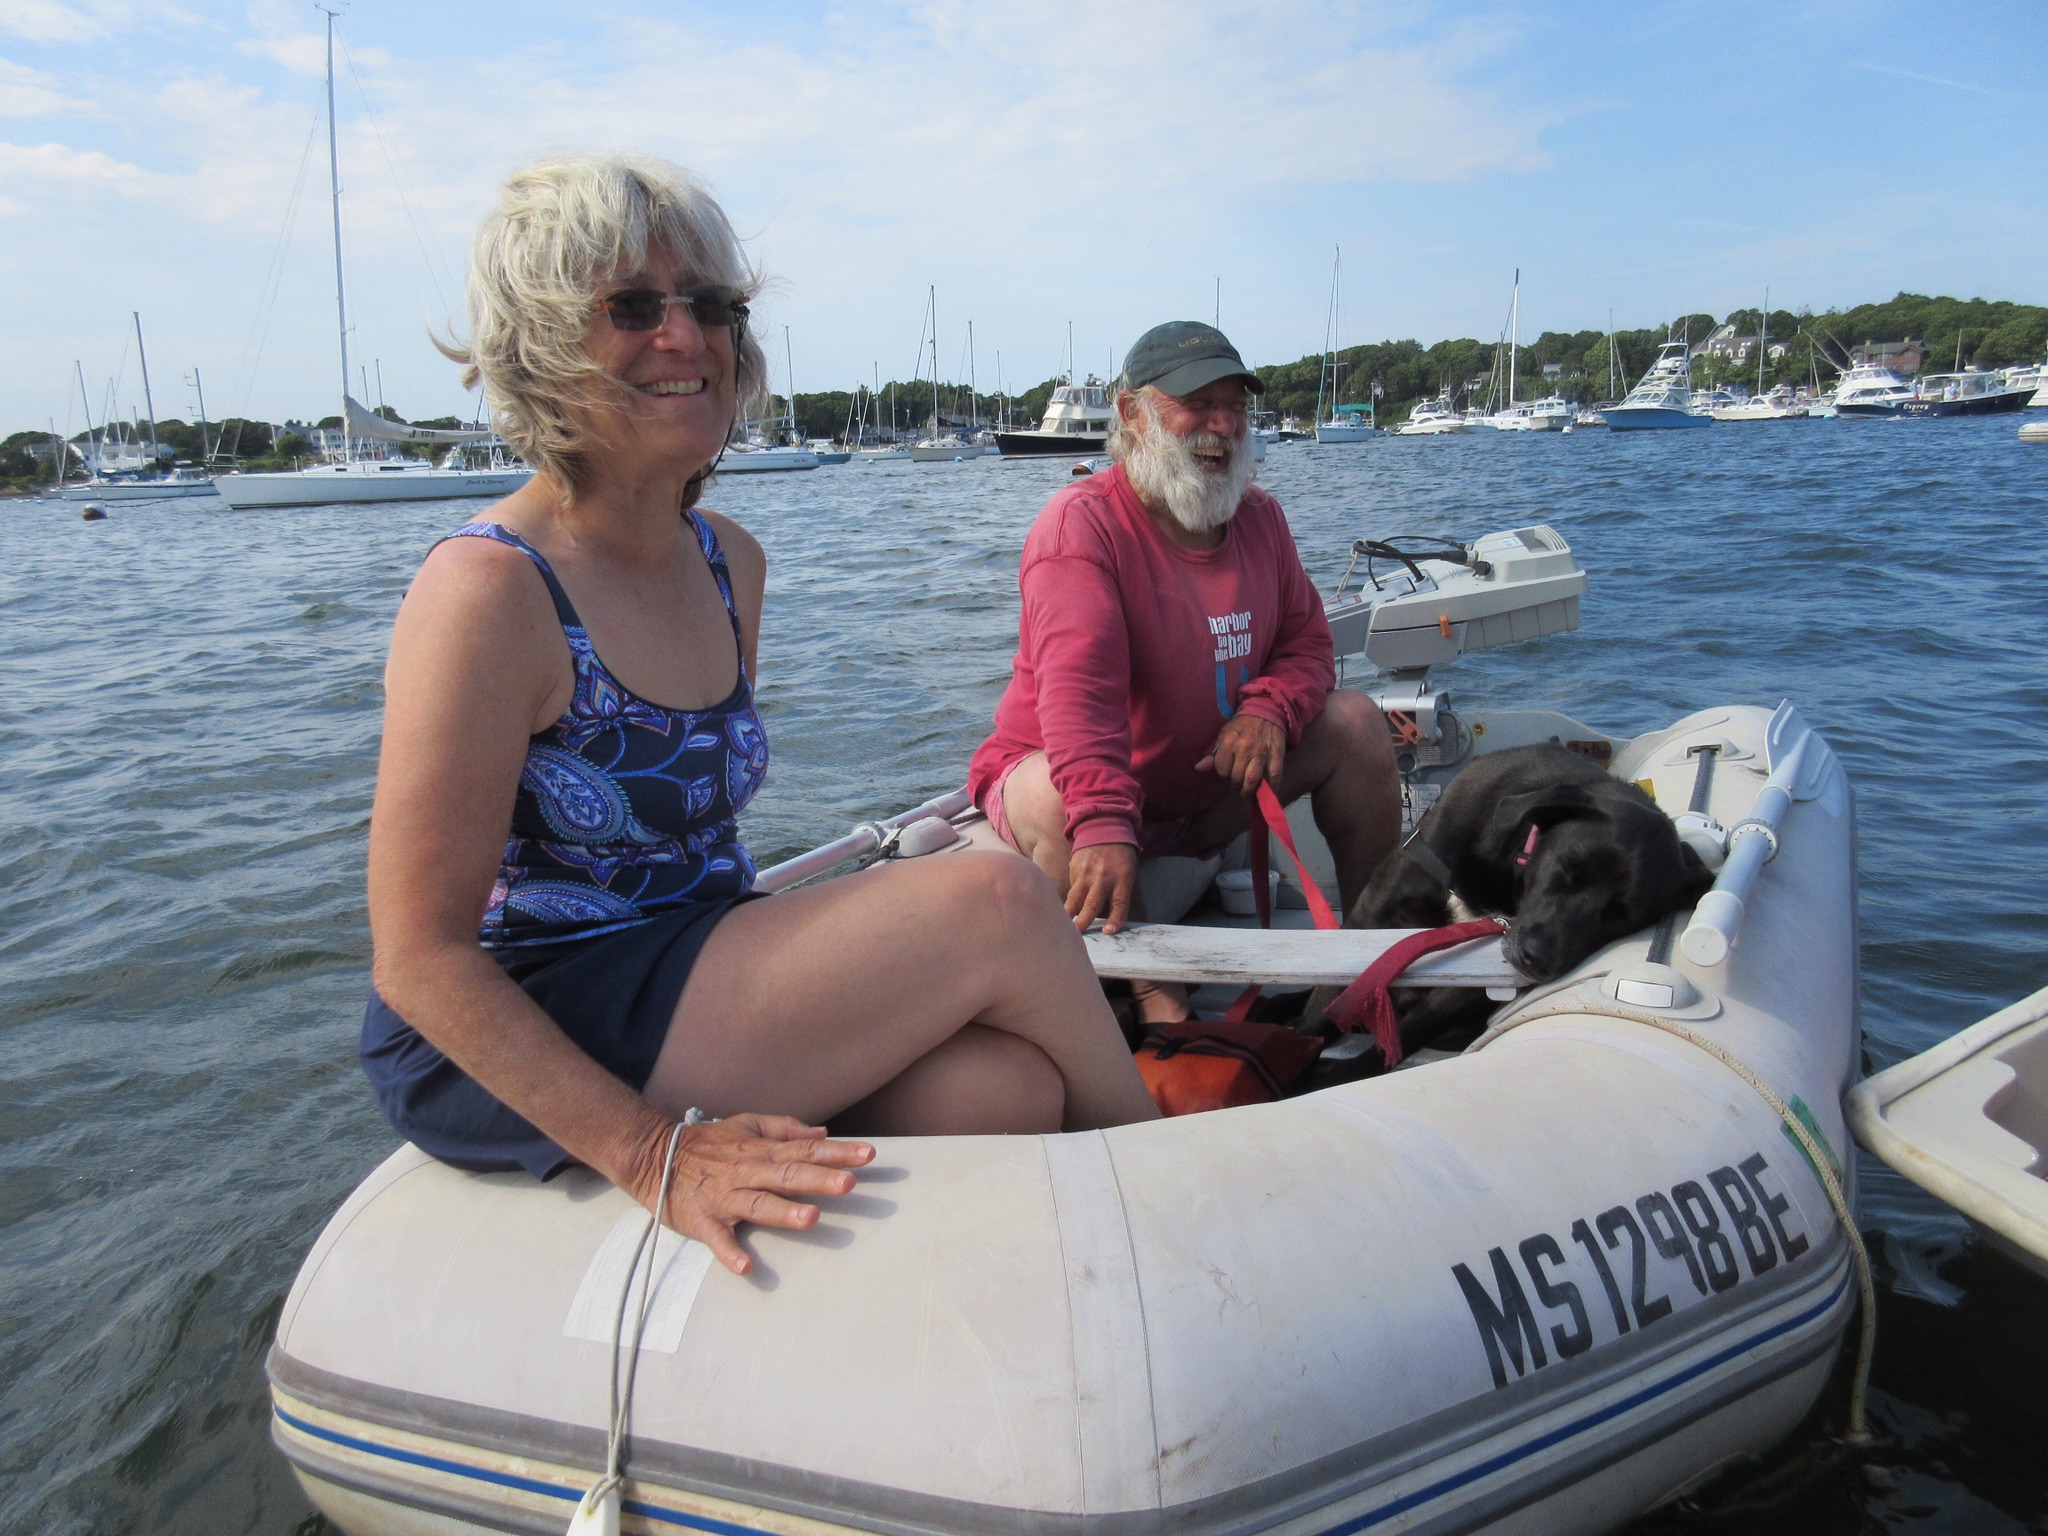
(681, 374)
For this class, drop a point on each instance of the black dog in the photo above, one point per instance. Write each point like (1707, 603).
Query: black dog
(1574, 856)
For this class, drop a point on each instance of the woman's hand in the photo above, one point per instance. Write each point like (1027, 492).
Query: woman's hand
(746, 1168)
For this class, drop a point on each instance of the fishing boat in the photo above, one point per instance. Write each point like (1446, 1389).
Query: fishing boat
(353, 474)
(1662, 398)
(1965, 1122)
(1973, 392)
(1544, 1284)
(1433, 418)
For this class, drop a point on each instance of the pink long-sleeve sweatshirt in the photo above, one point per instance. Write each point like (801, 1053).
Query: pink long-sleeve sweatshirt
(1132, 652)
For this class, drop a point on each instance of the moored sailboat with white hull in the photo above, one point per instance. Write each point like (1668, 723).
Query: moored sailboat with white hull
(355, 477)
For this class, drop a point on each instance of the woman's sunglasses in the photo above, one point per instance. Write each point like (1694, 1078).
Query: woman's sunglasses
(646, 309)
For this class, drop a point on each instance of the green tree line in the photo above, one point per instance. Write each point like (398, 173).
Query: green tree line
(1980, 333)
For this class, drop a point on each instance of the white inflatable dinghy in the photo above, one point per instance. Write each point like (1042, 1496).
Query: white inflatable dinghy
(1968, 1122)
(1541, 1286)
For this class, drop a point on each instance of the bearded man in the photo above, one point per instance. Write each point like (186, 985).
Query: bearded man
(1172, 654)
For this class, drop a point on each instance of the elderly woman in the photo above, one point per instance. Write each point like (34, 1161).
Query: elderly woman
(568, 954)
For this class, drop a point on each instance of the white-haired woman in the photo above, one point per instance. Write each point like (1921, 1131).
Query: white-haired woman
(568, 956)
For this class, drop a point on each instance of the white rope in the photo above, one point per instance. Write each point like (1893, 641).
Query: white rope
(598, 1512)
(1823, 1165)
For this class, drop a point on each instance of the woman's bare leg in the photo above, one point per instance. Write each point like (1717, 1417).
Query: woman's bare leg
(816, 1000)
(981, 1081)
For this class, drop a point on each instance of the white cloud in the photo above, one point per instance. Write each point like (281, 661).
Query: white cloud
(26, 92)
(54, 21)
(60, 167)
(993, 152)
(48, 21)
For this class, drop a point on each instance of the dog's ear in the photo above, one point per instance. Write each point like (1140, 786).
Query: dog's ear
(1546, 807)
(1696, 880)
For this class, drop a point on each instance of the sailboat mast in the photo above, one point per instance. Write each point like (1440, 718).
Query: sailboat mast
(149, 404)
(789, 367)
(1514, 335)
(334, 193)
(935, 360)
(1763, 330)
(973, 407)
(205, 449)
(92, 433)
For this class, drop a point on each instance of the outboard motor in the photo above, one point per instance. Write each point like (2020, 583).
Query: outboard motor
(1426, 600)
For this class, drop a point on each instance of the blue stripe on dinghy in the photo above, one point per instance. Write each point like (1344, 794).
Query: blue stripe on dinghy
(1363, 1521)
(1565, 1432)
(509, 1480)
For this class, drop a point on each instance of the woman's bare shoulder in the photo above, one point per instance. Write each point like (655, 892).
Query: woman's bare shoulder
(740, 546)
(477, 598)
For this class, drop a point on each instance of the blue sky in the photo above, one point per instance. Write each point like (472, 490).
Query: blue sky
(1647, 159)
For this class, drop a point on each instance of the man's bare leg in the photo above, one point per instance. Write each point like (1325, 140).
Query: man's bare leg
(1345, 765)
(1039, 823)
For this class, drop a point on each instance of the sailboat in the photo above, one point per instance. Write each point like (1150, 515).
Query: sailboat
(1552, 413)
(939, 446)
(111, 479)
(1345, 423)
(354, 476)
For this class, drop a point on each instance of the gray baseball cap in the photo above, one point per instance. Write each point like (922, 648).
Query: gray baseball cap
(1181, 356)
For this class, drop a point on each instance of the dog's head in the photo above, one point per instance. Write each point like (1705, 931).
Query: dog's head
(1598, 868)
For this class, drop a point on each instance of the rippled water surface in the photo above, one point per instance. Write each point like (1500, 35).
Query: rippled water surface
(188, 732)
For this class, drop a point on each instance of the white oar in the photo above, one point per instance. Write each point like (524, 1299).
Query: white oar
(1800, 763)
(859, 843)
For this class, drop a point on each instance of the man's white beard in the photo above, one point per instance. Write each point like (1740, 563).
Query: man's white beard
(1164, 471)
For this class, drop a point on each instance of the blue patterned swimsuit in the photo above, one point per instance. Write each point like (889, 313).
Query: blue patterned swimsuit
(625, 808)
(624, 854)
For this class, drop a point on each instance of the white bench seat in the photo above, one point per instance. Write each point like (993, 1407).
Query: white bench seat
(1301, 957)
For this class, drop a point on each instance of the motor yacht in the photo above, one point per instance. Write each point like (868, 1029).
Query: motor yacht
(1432, 418)
(1075, 424)
(1870, 390)
(1777, 405)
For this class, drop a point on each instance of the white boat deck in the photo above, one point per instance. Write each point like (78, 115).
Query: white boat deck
(1968, 1122)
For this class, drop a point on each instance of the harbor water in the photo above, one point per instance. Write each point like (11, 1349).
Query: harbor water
(188, 739)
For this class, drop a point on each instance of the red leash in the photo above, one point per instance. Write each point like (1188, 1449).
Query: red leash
(1368, 1002)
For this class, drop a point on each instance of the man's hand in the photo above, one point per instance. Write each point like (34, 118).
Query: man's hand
(1249, 750)
(1101, 880)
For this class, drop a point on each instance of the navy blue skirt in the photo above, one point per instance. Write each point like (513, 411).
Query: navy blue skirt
(613, 995)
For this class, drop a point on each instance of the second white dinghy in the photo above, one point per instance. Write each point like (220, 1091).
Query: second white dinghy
(1542, 1286)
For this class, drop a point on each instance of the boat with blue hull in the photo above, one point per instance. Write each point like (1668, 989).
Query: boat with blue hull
(1663, 399)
